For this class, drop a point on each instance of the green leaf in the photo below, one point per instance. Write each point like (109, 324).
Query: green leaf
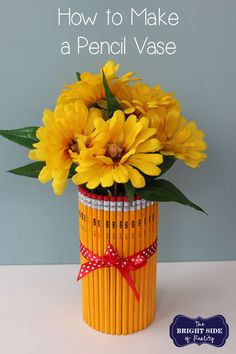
(32, 170)
(23, 136)
(168, 161)
(112, 103)
(72, 170)
(130, 190)
(78, 75)
(164, 191)
(100, 190)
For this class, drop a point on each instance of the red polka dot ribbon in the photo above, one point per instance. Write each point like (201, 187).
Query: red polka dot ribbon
(112, 259)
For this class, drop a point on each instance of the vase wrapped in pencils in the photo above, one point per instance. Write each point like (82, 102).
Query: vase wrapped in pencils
(115, 137)
(118, 262)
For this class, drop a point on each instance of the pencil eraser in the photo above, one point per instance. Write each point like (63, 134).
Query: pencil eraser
(126, 199)
(120, 198)
(113, 199)
(82, 190)
(106, 198)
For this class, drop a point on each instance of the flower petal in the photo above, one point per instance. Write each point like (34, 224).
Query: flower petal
(116, 124)
(120, 174)
(127, 155)
(146, 167)
(136, 179)
(94, 113)
(107, 179)
(45, 175)
(32, 155)
(143, 136)
(150, 145)
(131, 134)
(106, 160)
(59, 182)
(156, 159)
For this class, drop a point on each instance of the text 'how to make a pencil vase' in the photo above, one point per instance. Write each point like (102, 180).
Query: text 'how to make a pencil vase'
(118, 256)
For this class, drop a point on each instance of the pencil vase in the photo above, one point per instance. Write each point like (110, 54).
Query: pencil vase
(118, 262)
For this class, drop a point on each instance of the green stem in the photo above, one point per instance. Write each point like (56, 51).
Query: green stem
(115, 189)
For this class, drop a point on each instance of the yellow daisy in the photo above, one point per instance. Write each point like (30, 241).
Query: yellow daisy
(140, 99)
(128, 148)
(179, 138)
(66, 130)
(90, 87)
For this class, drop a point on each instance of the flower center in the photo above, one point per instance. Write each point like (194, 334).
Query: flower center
(114, 151)
(74, 146)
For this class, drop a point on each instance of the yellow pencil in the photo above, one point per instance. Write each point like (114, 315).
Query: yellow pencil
(150, 265)
(101, 271)
(138, 220)
(125, 254)
(119, 245)
(106, 270)
(112, 269)
(142, 283)
(131, 251)
(83, 240)
(95, 251)
(154, 259)
(90, 276)
(82, 260)
(84, 192)
(146, 268)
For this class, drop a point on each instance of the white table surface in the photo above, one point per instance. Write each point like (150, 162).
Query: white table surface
(40, 310)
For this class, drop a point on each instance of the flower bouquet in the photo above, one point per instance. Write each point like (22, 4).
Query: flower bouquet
(114, 137)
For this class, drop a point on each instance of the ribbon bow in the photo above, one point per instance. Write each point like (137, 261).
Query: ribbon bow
(112, 259)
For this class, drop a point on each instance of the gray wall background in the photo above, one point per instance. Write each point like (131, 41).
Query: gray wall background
(38, 227)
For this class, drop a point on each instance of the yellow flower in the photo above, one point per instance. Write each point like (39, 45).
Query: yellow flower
(66, 130)
(140, 99)
(90, 87)
(179, 138)
(128, 147)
